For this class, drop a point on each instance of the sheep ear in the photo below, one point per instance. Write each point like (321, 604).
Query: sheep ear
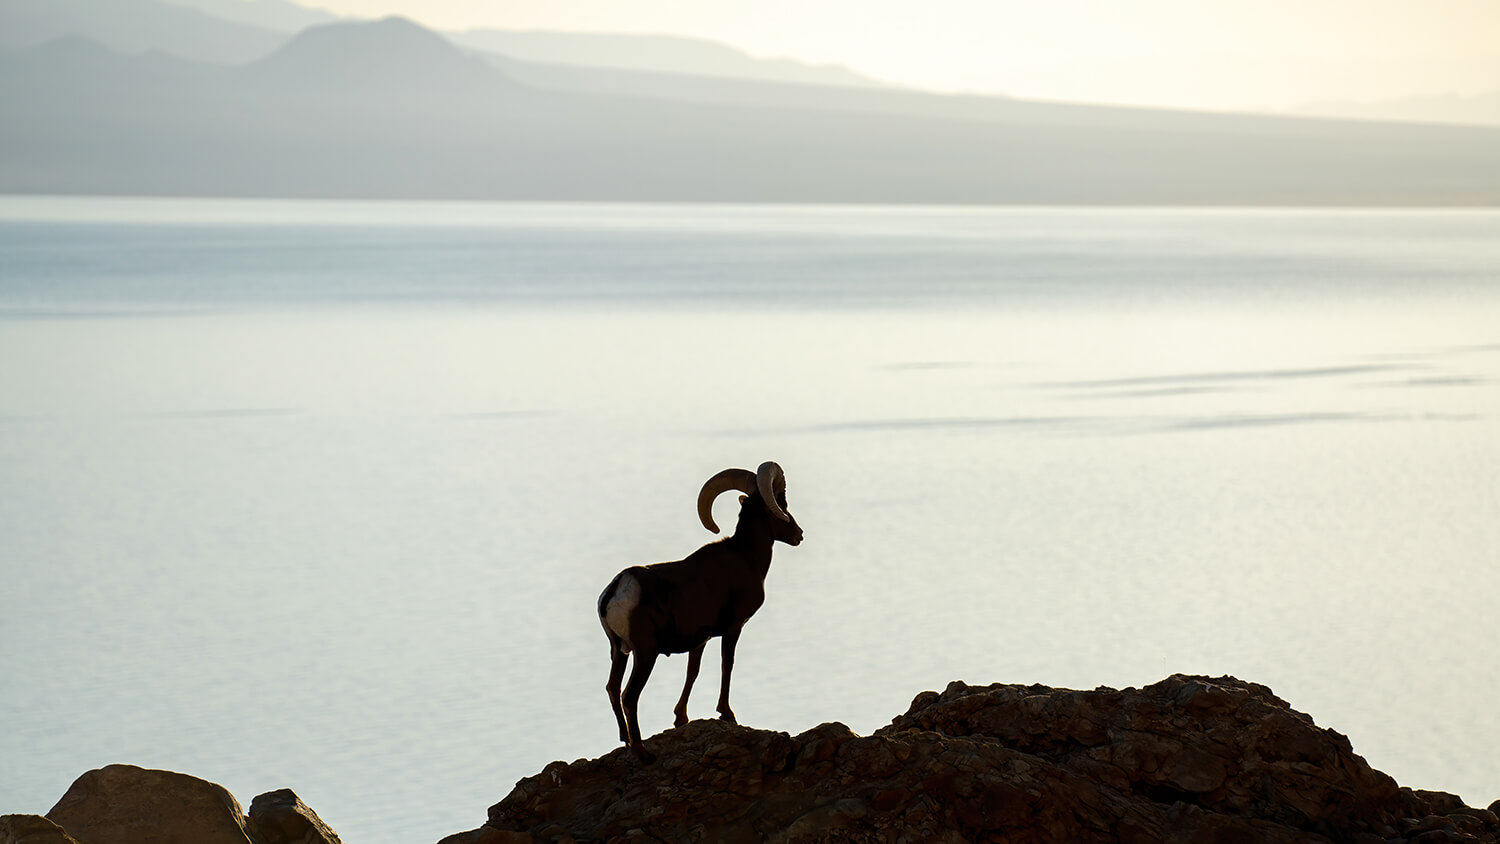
(744, 498)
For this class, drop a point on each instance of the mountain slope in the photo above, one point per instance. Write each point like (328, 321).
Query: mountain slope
(382, 57)
(280, 15)
(135, 26)
(1477, 110)
(654, 54)
(240, 31)
(387, 109)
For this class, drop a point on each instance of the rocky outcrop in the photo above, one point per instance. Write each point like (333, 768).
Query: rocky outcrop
(1189, 759)
(124, 804)
(32, 829)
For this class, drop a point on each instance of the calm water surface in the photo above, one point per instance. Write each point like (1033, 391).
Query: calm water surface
(320, 495)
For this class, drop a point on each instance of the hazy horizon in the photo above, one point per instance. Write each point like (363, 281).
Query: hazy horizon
(1228, 56)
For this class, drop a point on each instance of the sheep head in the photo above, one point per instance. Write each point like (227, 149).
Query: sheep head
(769, 481)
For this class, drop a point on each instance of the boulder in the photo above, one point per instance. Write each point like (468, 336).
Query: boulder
(32, 829)
(1186, 760)
(280, 817)
(1223, 745)
(124, 804)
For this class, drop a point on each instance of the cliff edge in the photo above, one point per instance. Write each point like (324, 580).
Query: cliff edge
(1188, 759)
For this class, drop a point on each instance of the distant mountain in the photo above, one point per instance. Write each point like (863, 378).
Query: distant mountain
(135, 26)
(1479, 110)
(654, 53)
(240, 31)
(389, 109)
(71, 63)
(280, 15)
(721, 91)
(381, 57)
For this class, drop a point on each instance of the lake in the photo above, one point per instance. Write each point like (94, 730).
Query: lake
(320, 495)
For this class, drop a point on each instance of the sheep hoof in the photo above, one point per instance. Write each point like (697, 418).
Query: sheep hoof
(641, 753)
(728, 716)
(681, 720)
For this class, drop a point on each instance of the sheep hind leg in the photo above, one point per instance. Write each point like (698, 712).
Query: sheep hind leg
(617, 659)
(640, 672)
(695, 656)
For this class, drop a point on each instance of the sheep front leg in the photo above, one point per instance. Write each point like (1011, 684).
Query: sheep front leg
(695, 656)
(731, 638)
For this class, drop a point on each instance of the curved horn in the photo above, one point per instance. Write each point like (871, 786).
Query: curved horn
(741, 479)
(769, 479)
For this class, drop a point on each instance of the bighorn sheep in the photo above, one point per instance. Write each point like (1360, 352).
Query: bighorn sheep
(677, 607)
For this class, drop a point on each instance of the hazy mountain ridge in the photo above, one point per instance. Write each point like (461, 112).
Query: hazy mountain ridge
(649, 53)
(240, 31)
(668, 54)
(724, 91)
(1452, 109)
(380, 57)
(390, 109)
(235, 32)
(280, 15)
(135, 26)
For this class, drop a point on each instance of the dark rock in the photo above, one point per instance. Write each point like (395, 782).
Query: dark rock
(280, 817)
(32, 829)
(1434, 802)
(490, 835)
(1228, 746)
(1189, 759)
(123, 804)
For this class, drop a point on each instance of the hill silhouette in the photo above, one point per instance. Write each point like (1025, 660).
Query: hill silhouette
(280, 15)
(387, 56)
(391, 109)
(135, 26)
(654, 54)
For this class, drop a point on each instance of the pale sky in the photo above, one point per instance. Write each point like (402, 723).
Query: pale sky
(1218, 54)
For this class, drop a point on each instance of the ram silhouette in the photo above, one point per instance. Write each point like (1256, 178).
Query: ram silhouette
(676, 607)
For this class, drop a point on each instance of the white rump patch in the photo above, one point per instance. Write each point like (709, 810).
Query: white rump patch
(621, 604)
